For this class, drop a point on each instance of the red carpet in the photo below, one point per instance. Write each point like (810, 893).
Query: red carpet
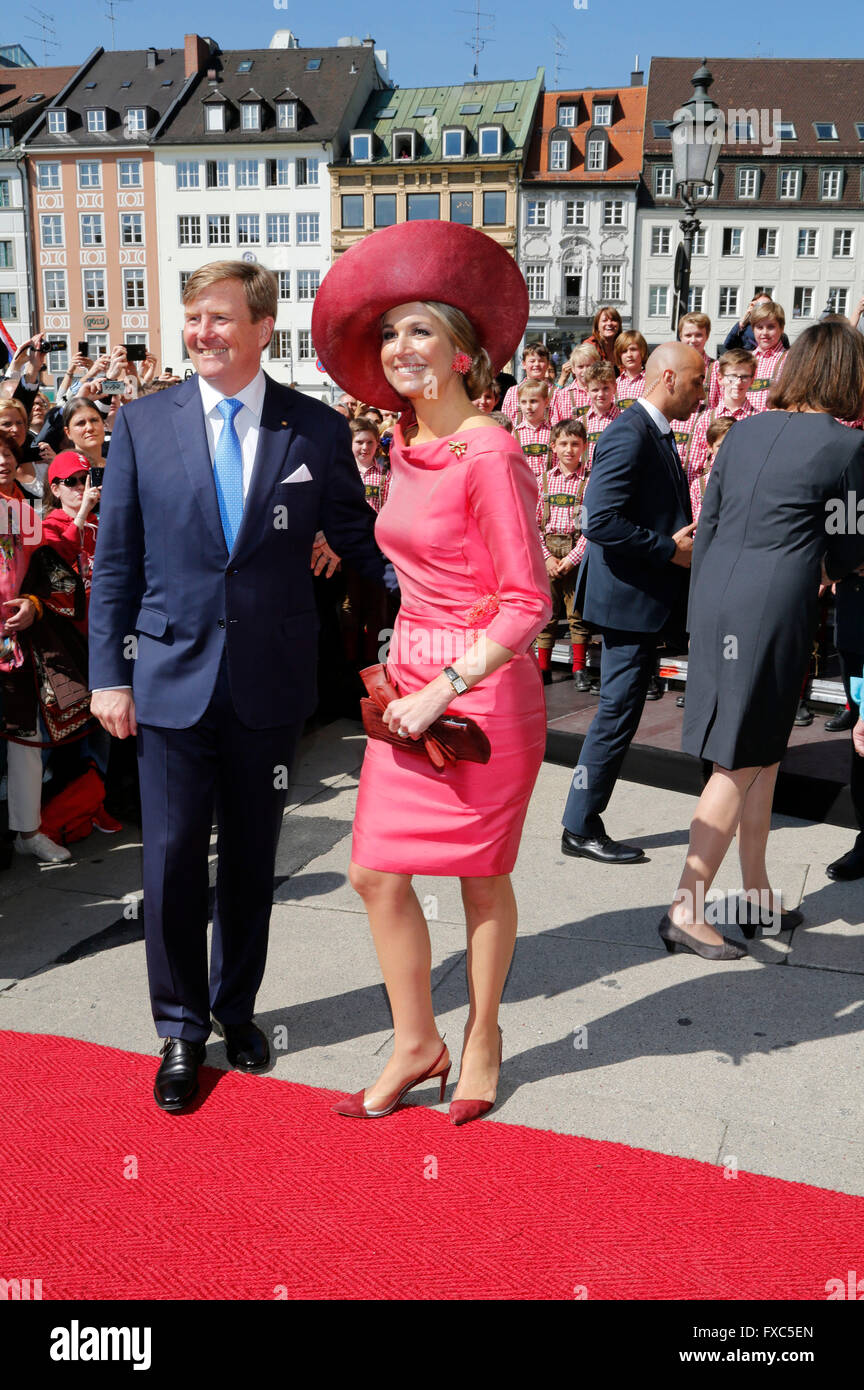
(262, 1191)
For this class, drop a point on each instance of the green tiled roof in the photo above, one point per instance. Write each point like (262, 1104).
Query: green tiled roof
(429, 110)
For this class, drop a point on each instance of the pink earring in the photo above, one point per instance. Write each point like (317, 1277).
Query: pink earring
(461, 363)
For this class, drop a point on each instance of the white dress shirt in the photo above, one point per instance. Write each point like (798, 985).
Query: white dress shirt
(657, 416)
(247, 422)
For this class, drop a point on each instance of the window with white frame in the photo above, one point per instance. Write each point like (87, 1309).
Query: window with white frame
(58, 362)
(567, 115)
(277, 173)
(92, 232)
(129, 173)
(214, 117)
(536, 213)
(696, 300)
(748, 183)
(133, 289)
(283, 278)
(808, 241)
(838, 299)
(131, 229)
(96, 120)
(663, 181)
(602, 113)
(250, 115)
(596, 155)
(658, 301)
(841, 244)
(218, 229)
(361, 148)
(280, 345)
(94, 289)
(308, 228)
(558, 152)
(454, 144)
(535, 279)
(188, 173)
(286, 115)
(278, 229)
(247, 173)
(8, 305)
(575, 212)
(306, 172)
(766, 241)
(700, 242)
(613, 212)
(308, 282)
(248, 229)
(189, 230)
(89, 173)
(7, 258)
(830, 184)
(802, 302)
(51, 229)
(727, 306)
(731, 241)
(56, 297)
(216, 173)
(489, 140)
(661, 241)
(47, 176)
(789, 183)
(610, 281)
(184, 279)
(305, 346)
(136, 118)
(57, 123)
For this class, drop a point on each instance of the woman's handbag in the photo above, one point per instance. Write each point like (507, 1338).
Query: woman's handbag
(448, 740)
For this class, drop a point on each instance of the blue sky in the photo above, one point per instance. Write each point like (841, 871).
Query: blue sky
(429, 43)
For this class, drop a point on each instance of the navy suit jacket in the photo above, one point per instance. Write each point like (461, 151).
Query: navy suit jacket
(167, 598)
(635, 501)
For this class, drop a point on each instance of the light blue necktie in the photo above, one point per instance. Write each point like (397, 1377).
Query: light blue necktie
(228, 471)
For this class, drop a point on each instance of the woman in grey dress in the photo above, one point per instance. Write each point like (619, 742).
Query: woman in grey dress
(779, 516)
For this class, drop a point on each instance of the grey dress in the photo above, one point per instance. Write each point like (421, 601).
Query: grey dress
(775, 505)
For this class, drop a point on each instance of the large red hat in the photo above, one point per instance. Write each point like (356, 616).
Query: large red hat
(440, 261)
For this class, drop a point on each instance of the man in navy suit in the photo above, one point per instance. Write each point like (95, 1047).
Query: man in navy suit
(203, 640)
(639, 526)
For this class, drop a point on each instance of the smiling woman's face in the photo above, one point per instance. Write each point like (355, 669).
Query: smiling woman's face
(7, 468)
(12, 426)
(416, 352)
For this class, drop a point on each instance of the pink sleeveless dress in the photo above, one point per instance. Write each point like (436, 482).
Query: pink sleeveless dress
(459, 526)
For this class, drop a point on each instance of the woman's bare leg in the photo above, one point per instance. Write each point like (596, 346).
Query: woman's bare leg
(711, 831)
(753, 830)
(401, 939)
(490, 915)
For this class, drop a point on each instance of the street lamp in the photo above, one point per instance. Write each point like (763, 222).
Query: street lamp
(697, 135)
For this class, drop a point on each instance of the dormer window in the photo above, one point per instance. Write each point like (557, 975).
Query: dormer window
(602, 113)
(214, 118)
(96, 120)
(361, 147)
(404, 144)
(286, 110)
(567, 115)
(454, 143)
(250, 115)
(489, 140)
(135, 118)
(559, 151)
(595, 153)
(57, 122)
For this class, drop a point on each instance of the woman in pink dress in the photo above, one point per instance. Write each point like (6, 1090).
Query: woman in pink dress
(403, 318)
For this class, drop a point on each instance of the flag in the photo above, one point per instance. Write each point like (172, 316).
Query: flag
(7, 345)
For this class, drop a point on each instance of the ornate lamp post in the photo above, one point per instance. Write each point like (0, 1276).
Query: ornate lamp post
(697, 135)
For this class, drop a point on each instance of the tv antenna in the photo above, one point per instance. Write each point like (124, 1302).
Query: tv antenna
(477, 44)
(47, 34)
(559, 46)
(112, 18)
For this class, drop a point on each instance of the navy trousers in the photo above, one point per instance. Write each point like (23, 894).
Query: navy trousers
(218, 765)
(627, 663)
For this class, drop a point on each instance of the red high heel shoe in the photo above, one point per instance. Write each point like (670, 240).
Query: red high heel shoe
(461, 1111)
(354, 1105)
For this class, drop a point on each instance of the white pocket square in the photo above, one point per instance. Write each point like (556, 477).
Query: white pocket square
(300, 475)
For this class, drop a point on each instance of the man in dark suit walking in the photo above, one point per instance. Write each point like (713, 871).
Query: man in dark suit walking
(639, 526)
(203, 640)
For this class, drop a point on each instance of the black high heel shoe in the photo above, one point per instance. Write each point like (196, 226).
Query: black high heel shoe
(675, 938)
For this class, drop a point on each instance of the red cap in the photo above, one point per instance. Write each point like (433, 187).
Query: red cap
(67, 464)
(439, 261)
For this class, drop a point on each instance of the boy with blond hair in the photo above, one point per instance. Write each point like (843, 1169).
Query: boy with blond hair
(533, 429)
(599, 380)
(571, 402)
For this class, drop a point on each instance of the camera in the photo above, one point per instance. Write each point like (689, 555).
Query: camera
(135, 352)
(113, 388)
(83, 348)
(96, 476)
(52, 345)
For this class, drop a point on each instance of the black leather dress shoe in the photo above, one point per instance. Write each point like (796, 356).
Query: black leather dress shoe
(841, 721)
(247, 1047)
(849, 866)
(177, 1077)
(601, 848)
(654, 691)
(805, 716)
(583, 682)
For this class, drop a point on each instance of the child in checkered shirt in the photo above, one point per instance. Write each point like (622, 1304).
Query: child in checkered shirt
(571, 402)
(559, 519)
(535, 362)
(715, 434)
(737, 368)
(602, 410)
(767, 321)
(631, 354)
(365, 610)
(533, 430)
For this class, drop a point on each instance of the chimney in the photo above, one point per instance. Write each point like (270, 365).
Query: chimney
(196, 52)
(152, 57)
(637, 77)
(368, 42)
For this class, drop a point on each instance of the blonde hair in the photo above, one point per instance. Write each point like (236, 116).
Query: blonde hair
(768, 309)
(463, 336)
(260, 287)
(698, 321)
(540, 388)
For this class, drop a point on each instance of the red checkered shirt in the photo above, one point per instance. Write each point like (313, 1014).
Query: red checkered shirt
(595, 425)
(376, 481)
(564, 492)
(534, 442)
(510, 407)
(682, 433)
(698, 455)
(851, 424)
(768, 365)
(570, 403)
(628, 389)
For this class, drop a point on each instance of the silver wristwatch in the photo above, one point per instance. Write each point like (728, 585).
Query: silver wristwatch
(459, 686)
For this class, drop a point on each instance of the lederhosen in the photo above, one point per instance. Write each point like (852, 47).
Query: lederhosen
(563, 587)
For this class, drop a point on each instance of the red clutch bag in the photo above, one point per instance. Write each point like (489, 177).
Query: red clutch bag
(448, 740)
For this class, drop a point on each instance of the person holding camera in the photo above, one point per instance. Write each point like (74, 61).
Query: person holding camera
(71, 523)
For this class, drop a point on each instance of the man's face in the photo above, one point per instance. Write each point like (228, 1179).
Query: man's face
(224, 344)
(688, 390)
(767, 334)
(694, 337)
(602, 396)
